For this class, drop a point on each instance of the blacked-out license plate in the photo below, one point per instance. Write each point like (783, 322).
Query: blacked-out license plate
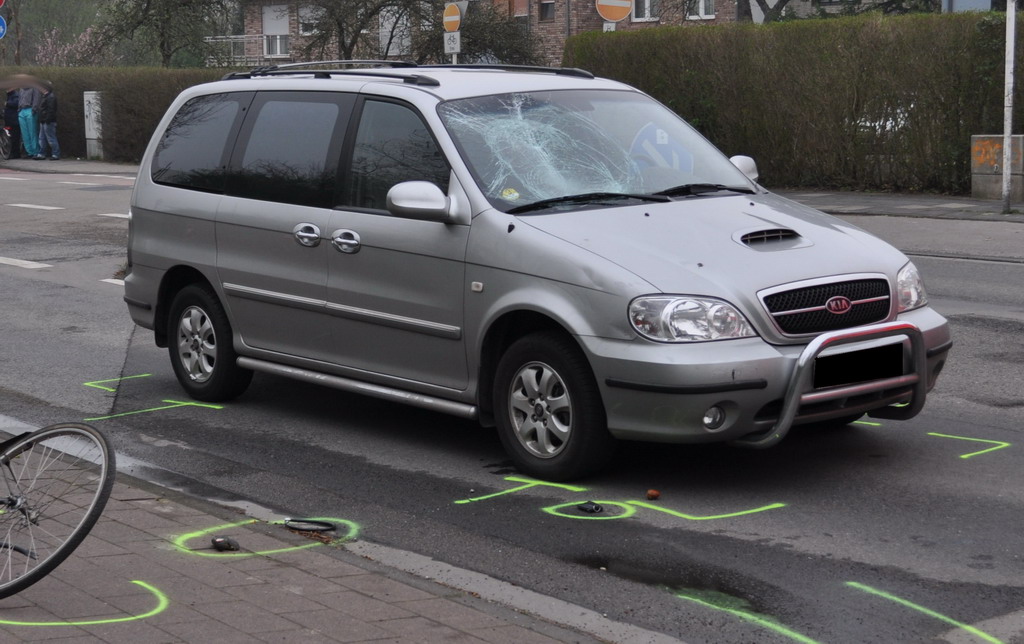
(858, 366)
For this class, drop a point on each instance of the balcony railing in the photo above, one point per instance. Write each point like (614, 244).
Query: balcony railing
(249, 50)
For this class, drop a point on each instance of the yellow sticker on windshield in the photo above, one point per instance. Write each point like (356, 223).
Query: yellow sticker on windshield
(510, 194)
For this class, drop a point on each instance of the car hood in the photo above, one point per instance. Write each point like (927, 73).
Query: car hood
(722, 245)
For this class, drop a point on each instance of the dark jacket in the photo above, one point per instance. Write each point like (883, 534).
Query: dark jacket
(48, 108)
(11, 108)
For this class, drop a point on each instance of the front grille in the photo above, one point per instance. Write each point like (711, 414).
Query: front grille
(802, 311)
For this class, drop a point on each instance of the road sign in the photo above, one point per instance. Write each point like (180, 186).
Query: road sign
(453, 43)
(614, 10)
(3, 25)
(1, 3)
(452, 18)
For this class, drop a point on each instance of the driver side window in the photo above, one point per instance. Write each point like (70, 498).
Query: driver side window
(392, 145)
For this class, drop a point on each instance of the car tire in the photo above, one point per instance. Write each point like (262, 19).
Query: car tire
(200, 346)
(548, 409)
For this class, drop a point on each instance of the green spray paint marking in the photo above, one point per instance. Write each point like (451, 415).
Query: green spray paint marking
(180, 541)
(98, 384)
(763, 621)
(869, 423)
(921, 609)
(173, 404)
(998, 444)
(527, 484)
(161, 605)
(629, 509)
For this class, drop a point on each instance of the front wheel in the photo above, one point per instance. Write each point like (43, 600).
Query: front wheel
(57, 480)
(548, 408)
(202, 356)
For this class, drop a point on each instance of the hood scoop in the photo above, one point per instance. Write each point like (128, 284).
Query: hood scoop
(771, 239)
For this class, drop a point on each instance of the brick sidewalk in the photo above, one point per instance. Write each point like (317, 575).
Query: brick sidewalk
(148, 573)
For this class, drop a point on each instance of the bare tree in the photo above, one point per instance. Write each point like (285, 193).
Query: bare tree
(409, 29)
(169, 27)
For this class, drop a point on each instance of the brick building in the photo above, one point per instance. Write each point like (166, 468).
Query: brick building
(275, 30)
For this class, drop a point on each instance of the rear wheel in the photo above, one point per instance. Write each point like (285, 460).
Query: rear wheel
(57, 480)
(202, 355)
(548, 408)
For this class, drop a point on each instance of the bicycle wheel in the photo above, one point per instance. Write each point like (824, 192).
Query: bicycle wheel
(5, 144)
(56, 481)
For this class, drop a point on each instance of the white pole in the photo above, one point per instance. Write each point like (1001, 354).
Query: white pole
(1011, 28)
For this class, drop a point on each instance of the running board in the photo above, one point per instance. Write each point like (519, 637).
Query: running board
(469, 412)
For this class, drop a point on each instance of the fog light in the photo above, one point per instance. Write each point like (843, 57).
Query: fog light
(714, 417)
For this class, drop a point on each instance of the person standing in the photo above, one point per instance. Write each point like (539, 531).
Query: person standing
(29, 100)
(48, 146)
(11, 122)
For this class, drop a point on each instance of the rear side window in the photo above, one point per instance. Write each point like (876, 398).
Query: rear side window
(392, 145)
(193, 151)
(289, 147)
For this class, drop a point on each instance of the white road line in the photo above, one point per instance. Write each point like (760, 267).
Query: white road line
(114, 282)
(79, 183)
(22, 263)
(14, 178)
(118, 215)
(34, 206)
(107, 176)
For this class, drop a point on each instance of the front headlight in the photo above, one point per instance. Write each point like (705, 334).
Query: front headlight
(910, 288)
(682, 318)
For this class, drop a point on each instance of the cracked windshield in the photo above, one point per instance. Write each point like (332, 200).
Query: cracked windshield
(526, 148)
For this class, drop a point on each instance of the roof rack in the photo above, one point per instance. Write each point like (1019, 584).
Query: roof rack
(291, 68)
(415, 79)
(562, 71)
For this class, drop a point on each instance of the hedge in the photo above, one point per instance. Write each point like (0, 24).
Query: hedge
(134, 100)
(866, 102)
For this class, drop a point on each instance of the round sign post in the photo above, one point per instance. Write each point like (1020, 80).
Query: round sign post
(614, 10)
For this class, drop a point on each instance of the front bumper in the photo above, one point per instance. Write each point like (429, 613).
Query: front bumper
(660, 392)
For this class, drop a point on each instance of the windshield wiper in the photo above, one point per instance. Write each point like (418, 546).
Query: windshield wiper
(701, 188)
(586, 198)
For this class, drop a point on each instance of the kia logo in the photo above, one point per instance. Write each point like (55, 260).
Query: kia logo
(838, 305)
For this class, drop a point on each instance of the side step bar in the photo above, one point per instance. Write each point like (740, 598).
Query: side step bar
(469, 412)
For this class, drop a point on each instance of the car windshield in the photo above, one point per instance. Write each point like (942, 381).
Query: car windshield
(530, 147)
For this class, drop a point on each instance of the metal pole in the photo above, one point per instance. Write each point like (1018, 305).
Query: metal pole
(1011, 29)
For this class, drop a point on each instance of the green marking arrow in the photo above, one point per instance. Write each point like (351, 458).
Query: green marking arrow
(998, 444)
(98, 384)
(173, 404)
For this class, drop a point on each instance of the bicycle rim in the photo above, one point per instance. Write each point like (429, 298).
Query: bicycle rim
(56, 481)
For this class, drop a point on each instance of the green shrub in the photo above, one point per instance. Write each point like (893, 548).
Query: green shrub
(134, 100)
(866, 102)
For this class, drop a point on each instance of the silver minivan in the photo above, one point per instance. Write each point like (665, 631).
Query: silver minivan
(553, 254)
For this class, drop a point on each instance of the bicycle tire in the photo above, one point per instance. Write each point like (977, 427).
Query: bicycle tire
(56, 481)
(5, 145)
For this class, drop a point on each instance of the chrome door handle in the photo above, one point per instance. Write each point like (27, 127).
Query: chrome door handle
(307, 235)
(345, 241)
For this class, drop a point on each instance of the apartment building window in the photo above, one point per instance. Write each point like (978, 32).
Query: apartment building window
(308, 18)
(546, 10)
(275, 30)
(701, 10)
(646, 10)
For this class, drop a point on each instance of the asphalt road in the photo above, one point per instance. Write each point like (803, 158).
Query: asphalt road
(879, 532)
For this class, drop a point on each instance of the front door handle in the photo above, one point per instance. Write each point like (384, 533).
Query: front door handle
(307, 235)
(345, 241)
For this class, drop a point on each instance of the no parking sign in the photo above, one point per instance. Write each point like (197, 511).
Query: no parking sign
(3, 24)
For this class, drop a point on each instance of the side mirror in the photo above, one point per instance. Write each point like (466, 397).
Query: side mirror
(746, 166)
(418, 200)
